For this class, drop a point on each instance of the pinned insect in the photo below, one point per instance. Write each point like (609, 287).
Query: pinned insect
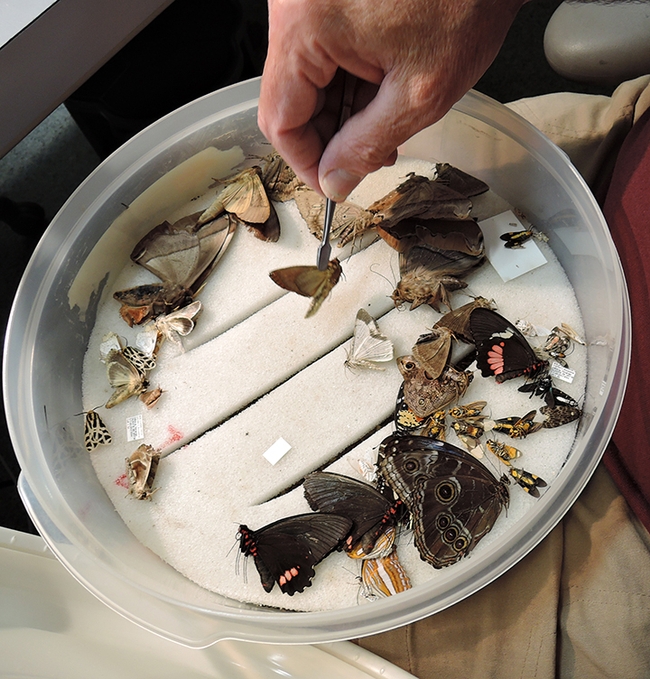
(406, 421)
(182, 255)
(95, 431)
(516, 239)
(560, 414)
(558, 343)
(544, 387)
(370, 511)
(286, 551)
(177, 324)
(369, 346)
(468, 410)
(502, 450)
(454, 500)
(349, 220)
(126, 379)
(459, 181)
(383, 576)
(432, 350)
(309, 281)
(469, 433)
(529, 482)
(457, 320)
(501, 350)
(243, 196)
(436, 427)
(424, 394)
(141, 468)
(422, 197)
(516, 427)
(279, 180)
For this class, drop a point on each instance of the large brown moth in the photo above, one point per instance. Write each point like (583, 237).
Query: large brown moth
(432, 350)
(309, 281)
(465, 184)
(182, 255)
(279, 180)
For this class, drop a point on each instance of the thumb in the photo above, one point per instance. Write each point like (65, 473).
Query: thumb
(369, 139)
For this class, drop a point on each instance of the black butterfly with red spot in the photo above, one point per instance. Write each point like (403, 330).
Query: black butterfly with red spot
(371, 511)
(287, 550)
(502, 351)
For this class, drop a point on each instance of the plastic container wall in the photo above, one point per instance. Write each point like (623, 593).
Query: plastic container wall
(54, 311)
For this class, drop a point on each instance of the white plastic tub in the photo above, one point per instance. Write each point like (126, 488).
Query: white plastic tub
(47, 338)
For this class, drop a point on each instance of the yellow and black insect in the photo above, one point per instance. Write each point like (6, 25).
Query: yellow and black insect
(529, 482)
(518, 427)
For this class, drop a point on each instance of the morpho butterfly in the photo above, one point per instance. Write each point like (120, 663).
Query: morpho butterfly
(501, 350)
(287, 550)
(370, 511)
(453, 498)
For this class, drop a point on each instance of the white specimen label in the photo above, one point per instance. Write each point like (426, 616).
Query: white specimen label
(562, 373)
(277, 451)
(134, 428)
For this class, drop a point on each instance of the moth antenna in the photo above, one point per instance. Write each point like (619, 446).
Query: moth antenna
(381, 275)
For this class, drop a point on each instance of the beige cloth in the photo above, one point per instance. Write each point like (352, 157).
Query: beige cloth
(579, 604)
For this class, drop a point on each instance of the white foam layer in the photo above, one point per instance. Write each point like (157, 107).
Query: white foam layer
(255, 370)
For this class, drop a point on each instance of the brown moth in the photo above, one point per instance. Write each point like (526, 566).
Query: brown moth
(423, 197)
(150, 398)
(432, 349)
(457, 180)
(425, 395)
(349, 220)
(279, 180)
(141, 467)
(244, 196)
(95, 432)
(457, 320)
(268, 231)
(182, 255)
(428, 276)
(460, 235)
(309, 281)
(125, 378)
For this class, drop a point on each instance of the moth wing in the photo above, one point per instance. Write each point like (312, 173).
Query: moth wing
(169, 252)
(368, 344)
(432, 351)
(124, 377)
(142, 363)
(213, 240)
(245, 196)
(95, 432)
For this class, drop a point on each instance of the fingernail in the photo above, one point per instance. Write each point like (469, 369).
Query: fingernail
(337, 184)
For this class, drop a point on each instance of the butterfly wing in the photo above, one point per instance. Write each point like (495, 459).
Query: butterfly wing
(432, 349)
(370, 511)
(95, 431)
(453, 498)
(286, 551)
(369, 346)
(501, 350)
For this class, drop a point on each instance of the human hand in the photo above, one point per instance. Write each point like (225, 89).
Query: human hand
(414, 58)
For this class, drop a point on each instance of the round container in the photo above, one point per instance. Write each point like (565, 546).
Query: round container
(50, 326)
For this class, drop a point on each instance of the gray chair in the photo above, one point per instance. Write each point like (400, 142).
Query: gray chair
(599, 42)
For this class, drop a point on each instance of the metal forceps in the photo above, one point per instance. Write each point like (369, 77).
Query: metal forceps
(325, 249)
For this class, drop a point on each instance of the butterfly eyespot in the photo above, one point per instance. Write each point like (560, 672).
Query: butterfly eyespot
(461, 544)
(446, 491)
(450, 535)
(442, 521)
(410, 465)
